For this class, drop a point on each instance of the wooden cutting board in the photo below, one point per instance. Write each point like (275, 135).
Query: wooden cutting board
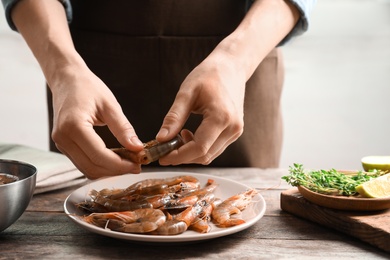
(372, 227)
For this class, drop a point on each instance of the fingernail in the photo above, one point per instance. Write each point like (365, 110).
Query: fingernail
(162, 133)
(134, 140)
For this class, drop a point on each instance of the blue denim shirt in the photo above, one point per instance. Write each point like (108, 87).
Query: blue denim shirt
(304, 6)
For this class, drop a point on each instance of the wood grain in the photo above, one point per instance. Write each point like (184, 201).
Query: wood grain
(372, 227)
(45, 232)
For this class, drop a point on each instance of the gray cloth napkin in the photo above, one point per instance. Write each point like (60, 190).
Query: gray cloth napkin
(55, 171)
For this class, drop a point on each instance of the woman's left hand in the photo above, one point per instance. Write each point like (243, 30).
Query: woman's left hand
(214, 89)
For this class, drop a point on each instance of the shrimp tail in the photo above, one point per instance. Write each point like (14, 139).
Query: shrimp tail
(171, 227)
(231, 222)
(200, 225)
(137, 227)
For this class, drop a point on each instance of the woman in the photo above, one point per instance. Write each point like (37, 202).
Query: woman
(207, 69)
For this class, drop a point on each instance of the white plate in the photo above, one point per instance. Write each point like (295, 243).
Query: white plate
(226, 189)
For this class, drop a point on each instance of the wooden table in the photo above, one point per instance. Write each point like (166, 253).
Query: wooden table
(45, 232)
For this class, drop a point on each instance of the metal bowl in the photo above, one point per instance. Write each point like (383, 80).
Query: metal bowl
(16, 195)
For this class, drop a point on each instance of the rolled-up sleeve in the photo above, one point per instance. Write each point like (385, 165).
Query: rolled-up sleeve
(304, 7)
(10, 4)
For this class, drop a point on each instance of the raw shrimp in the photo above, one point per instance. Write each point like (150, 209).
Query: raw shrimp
(190, 198)
(191, 213)
(153, 150)
(216, 202)
(181, 221)
(233, 205)
(131, 191)
(184, 187)
(209, 189)
(201, 222)
(200, 225)
(119, 205)
(159, 201)
(170, 181)
(137, 221)
(181, 199)
(109, 193)
(92, 207)
(170, 201)
(181, 202)
(171, 227)
(150, 186)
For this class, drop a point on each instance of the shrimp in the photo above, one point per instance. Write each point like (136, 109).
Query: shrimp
(169, 200)
(216, 202)
(233, 205)
(180, 222)
(170, 181)
(118, 205)
(206, 191)
(152, 186)
(185, 186)
(200, 225)
(201, 222)
(92, 207)
(121, 193)
(181, 202)
(190, 197)
(153, 151)
(159, 201)
(137, 221)
(171, 227)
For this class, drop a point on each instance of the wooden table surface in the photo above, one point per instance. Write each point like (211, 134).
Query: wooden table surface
(44, 231)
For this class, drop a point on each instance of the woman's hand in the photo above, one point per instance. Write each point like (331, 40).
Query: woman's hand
(215, 90)
(80, 99)
(80, 102)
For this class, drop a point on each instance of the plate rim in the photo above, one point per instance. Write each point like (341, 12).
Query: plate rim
(182, 238)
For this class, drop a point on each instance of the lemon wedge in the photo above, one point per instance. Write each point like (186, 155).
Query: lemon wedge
(376, 188)
(376, 163)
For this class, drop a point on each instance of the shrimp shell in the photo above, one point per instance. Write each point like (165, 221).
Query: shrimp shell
(92, 207)
(201, 222)
(189, 215)
(118, 205)
(179, 223)
(171, 227)
(181, 202)
(200, 225)
(137, 221)
(233, 205)
(146, 186)
(146, 220)
(170, 181)
(153, 151)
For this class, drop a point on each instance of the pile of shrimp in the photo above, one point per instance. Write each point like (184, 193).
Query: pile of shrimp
(168, 206)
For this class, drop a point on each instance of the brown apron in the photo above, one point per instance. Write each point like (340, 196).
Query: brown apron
(143, 50)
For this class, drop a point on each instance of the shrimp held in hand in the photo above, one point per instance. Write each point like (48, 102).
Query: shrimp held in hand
(233, 205)
(153, 150)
